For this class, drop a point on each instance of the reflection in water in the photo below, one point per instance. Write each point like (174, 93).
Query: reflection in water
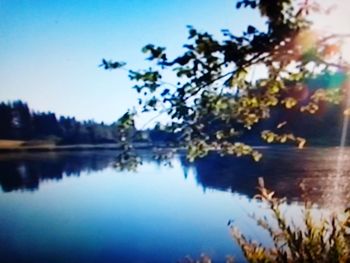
(337, 192)
(340, 194)
(296, 174)
(155, 215)
(299, 175)
(26, 171)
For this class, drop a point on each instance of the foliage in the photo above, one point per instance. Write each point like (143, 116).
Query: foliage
(217, 99)
(324, 241)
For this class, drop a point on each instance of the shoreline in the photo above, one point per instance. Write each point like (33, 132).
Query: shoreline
(102, 147)
(7, 146)
(72, 147)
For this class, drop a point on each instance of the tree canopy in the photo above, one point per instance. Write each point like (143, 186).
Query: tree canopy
(217, 100)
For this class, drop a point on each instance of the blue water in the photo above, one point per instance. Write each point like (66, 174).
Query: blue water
(75, 207)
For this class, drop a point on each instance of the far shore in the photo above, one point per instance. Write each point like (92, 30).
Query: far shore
(14, 146)
(9, 146)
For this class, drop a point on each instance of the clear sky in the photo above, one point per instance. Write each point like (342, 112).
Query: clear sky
(51, 49)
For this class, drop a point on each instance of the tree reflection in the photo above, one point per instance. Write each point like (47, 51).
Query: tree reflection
(297, 175)
(26, 171)
(305, 175)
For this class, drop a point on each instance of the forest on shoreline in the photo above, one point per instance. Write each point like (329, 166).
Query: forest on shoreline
(18, 122)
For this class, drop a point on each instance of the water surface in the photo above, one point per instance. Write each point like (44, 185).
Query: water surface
(75, 207)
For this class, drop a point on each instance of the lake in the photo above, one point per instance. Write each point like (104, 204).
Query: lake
(75, 207)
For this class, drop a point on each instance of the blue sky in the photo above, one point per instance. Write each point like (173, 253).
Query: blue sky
(51, 49)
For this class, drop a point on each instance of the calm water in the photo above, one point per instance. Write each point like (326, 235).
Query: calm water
(75, 207)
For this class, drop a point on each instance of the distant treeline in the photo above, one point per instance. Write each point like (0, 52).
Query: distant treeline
(19, 122)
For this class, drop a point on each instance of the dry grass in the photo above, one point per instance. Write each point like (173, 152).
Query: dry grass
(16, 145)
(10, 144)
